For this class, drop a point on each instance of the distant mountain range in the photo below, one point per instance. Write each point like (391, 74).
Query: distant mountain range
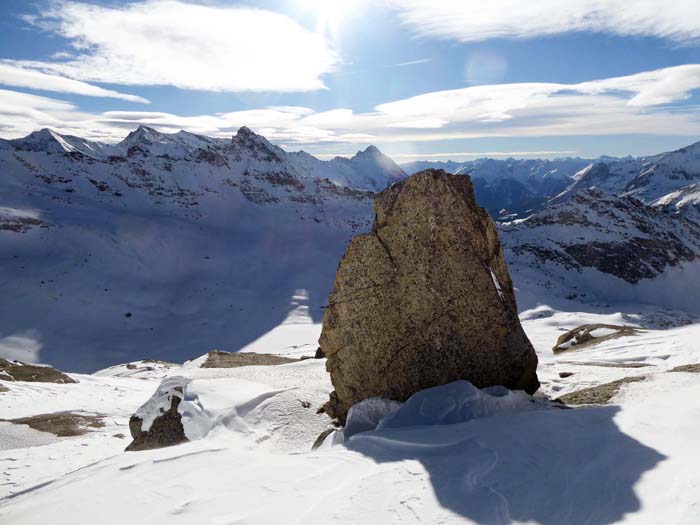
(170, 245)
(515, 187)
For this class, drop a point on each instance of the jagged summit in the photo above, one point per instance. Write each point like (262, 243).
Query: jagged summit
(143, 135)
(247, 142)
(370, 150)
(246, 136)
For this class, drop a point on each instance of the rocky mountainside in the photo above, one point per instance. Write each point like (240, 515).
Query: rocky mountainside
(168, 245)
(513, 188)
(165, 244)
(669, 181)
(596, 245)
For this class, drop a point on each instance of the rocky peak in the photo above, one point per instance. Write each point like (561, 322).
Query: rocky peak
(369, 151)
(43, 140)
(143, 135)
(245, 140)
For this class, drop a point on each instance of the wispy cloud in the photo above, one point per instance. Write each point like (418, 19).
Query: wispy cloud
(187, 45)
(474, 154)
(643, 103)
(412, 62)
(470, 21)
(11, 75)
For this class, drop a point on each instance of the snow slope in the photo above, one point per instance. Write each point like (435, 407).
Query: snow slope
(668, 180)
(632, 462)
(165, 246)
(600, 248)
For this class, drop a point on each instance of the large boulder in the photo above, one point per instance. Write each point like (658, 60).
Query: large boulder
(424, 299)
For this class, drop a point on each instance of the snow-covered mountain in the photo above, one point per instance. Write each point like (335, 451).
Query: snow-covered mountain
(600, 247)
(165, 244)
(511, 186)
(668, 181)
(169, 245)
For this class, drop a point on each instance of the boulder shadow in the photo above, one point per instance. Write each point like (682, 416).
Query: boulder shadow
(550, 467)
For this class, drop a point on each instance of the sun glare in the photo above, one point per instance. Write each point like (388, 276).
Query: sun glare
(332, 15)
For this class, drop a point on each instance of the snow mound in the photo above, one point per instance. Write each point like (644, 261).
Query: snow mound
(458, 402)
(367, 414)
(253, 406)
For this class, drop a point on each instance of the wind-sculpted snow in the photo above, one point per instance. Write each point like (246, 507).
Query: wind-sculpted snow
(459, 402)
(456, 456)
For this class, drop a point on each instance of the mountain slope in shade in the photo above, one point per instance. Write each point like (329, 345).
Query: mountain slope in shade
(164, 245)
(602, 247)
(668, 180)
(169, 245)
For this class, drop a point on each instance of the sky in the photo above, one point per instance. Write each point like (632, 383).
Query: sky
(420, 79)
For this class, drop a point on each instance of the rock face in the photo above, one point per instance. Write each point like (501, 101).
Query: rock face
(424, 299)
(219, 359)
(61, 424)
(18, 371)
(163, 430)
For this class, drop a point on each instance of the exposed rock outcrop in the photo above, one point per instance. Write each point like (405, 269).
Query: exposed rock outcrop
(157, 423)
(219, 359)
(424, 299)
(598, 395)
(690, 369)
(18, 371)
(61, 424)
(591, 334)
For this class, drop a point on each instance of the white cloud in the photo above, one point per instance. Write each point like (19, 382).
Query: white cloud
(645, 102)
(476, 20)
(608, 104)
(425, 123)
(11, 75)
(456, 156)
(190, 46)
(651, 88)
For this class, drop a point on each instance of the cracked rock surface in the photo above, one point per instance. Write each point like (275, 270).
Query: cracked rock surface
(424, 299)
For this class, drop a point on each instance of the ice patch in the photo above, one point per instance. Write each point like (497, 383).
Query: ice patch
(497, 285)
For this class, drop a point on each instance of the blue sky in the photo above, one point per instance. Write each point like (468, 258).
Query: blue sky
(450, 79)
